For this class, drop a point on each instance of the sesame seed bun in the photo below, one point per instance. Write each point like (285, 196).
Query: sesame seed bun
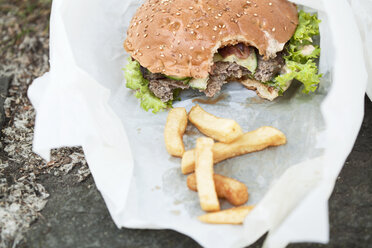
(179, 37)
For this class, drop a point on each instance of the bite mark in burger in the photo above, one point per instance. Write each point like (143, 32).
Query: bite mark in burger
(204, 44)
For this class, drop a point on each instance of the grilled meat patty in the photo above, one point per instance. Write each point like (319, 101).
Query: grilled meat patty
(222, 72)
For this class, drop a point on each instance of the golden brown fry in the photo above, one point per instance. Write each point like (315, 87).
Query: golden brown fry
(174, 130)
(253, 141)
(220, 129)
(204, 175)
(229, 216)
(232, 190)
(188, 161)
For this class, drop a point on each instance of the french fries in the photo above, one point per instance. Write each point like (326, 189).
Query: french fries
(204, 175)
(220, 129)
(229, 216)
(256, 140)
(233, 142)
(174, 130)
(232, 190)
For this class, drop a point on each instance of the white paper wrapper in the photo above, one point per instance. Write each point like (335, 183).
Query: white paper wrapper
(143, 186)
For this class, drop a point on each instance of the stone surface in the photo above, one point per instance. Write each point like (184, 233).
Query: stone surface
(4, 84)
(76, 216)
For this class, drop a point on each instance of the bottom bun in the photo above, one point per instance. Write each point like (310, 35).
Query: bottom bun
(262, 90)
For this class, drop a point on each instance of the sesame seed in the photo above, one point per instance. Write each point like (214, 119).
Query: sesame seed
(219, 14)
(163, 70)
(188, 25)
(202, 48)
(162, 55)
(248, 2)
(223, 26)
(140, 54)
(140, 22)
(270, 4)
(178, 42)
(215, 28)
(255, 14)
(273, 29)
(237, 15)
(137, 34)
(180, 55)
(148, 47)
(145, 35)
(178, 13)
(221, 33)
(171, 46)
(213, 37)
(191, 8)
(191, 48)
(198, 26)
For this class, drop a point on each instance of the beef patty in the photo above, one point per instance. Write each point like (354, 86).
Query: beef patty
(222, 72)
(267, 70)
(161, 86)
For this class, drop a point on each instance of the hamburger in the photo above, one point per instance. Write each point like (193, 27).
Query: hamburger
(204, 44)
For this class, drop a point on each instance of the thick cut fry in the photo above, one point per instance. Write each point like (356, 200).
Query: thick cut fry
(229, 216)
(220, 129)
(174, 130)
(188, 162)
(204, 175)
(232, 190)
(253, 141)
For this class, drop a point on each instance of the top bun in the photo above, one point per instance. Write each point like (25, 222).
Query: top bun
(180, 37)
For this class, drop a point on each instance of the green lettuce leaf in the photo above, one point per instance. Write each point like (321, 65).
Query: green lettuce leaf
(296, 53)
(305, 73)
(135, 81)
(308, 26)
(301, 53)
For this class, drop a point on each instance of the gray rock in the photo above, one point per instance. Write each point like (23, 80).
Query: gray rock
(4, 85)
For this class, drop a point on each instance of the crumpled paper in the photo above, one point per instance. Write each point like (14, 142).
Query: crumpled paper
(83, 101)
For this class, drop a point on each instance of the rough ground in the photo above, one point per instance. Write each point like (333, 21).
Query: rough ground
(58, 205)
(24, 56)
